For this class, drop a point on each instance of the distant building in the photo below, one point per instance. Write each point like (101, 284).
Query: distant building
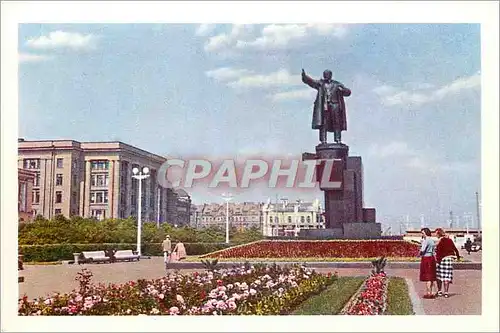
(25, 195)
(287, 219)
(94, 179)
(241, 215)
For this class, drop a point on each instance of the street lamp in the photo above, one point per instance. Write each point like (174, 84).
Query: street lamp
(228, 197)
(139, 175)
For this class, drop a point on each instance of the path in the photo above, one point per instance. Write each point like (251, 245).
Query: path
(40, 280)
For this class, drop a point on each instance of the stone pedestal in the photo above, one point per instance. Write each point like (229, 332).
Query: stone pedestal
(345, 216)
(76, 256)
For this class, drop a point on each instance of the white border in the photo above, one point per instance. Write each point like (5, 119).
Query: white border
(485, 13)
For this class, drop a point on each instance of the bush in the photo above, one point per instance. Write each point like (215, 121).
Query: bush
(79, 230)
(56, 252)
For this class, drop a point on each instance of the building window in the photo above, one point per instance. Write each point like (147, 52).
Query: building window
(302, 219)
(58, 196)
(99, 197)
(36, 197)
(35, 212)
(289, 219)
(308, 219)
(59, 163)
(99, 214)
(74, 179)
(57, 211)
(36, 181)
(271, 219)
(59, 179)
(99, 165)
(33, 163)
(100, 180)
(74, 197)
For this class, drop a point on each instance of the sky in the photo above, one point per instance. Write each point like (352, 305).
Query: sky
(234, 90)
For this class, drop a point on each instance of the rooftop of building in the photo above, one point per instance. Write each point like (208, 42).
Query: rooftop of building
(24, 145)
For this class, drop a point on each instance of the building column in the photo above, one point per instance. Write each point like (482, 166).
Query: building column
(128, 195)
(86, 201)
(116, 189)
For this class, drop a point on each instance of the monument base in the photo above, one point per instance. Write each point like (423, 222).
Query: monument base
(354, 230)
(332, 233)
(361, 230)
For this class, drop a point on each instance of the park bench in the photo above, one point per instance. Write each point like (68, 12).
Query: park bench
(125, 255)
(95, 256)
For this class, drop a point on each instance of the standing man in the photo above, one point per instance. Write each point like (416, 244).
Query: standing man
(167, 249)
(329, 113)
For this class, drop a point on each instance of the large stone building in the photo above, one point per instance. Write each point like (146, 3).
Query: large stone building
(94, 179)
(287, 219)
(241, 215)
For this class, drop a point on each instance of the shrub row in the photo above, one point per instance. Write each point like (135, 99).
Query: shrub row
(55, 252)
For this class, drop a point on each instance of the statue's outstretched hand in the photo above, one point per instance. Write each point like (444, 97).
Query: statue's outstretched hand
(303, 72)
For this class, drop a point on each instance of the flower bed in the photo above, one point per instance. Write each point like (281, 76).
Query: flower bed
(371, 298)
(245, 290)
(320, 249)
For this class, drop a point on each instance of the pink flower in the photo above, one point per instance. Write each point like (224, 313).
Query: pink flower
(231, 305)
(253, 292)
(173, 310)
(180, 299)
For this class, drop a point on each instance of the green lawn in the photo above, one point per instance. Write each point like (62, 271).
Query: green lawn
(398, 298)
(331, 300)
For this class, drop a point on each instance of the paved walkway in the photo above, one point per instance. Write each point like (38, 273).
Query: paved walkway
(41, 280)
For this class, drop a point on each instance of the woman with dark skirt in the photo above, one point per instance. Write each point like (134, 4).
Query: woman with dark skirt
(446, 253)
(428, 262)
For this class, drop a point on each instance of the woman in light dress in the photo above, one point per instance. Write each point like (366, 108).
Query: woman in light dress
(179, 252)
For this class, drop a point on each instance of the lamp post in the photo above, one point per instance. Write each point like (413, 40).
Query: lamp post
(228, 197)
(139, 175)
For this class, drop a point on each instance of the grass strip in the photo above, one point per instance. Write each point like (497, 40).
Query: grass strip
(332, 299)
(398, 298)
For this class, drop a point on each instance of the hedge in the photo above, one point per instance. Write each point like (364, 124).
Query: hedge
(56, 252)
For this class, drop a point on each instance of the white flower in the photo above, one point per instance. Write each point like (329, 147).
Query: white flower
(180, 299)
(253, 292)
(155, 311)
(161, 296)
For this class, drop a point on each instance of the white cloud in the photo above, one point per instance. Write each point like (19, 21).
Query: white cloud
(276, 35)
(29, 57)
(418, 161)
(272, 36)
(391, 96)
(63, 39)
(227, 40)
(294, 94)
(205, 29)
(278, 78)
(227, 73)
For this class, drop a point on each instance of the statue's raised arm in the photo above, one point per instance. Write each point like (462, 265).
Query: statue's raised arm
(310, 81)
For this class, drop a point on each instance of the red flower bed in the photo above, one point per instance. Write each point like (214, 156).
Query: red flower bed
(372, 300)
(320, 249)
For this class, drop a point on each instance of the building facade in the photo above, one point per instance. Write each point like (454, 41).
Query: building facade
(25, 194)
(94, 179)
(244, 215)
(286, 219)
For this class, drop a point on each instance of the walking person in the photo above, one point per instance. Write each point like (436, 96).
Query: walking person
(468, 246)
(167, 249)
(180, 251)
(446, 251)
(428, 262)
